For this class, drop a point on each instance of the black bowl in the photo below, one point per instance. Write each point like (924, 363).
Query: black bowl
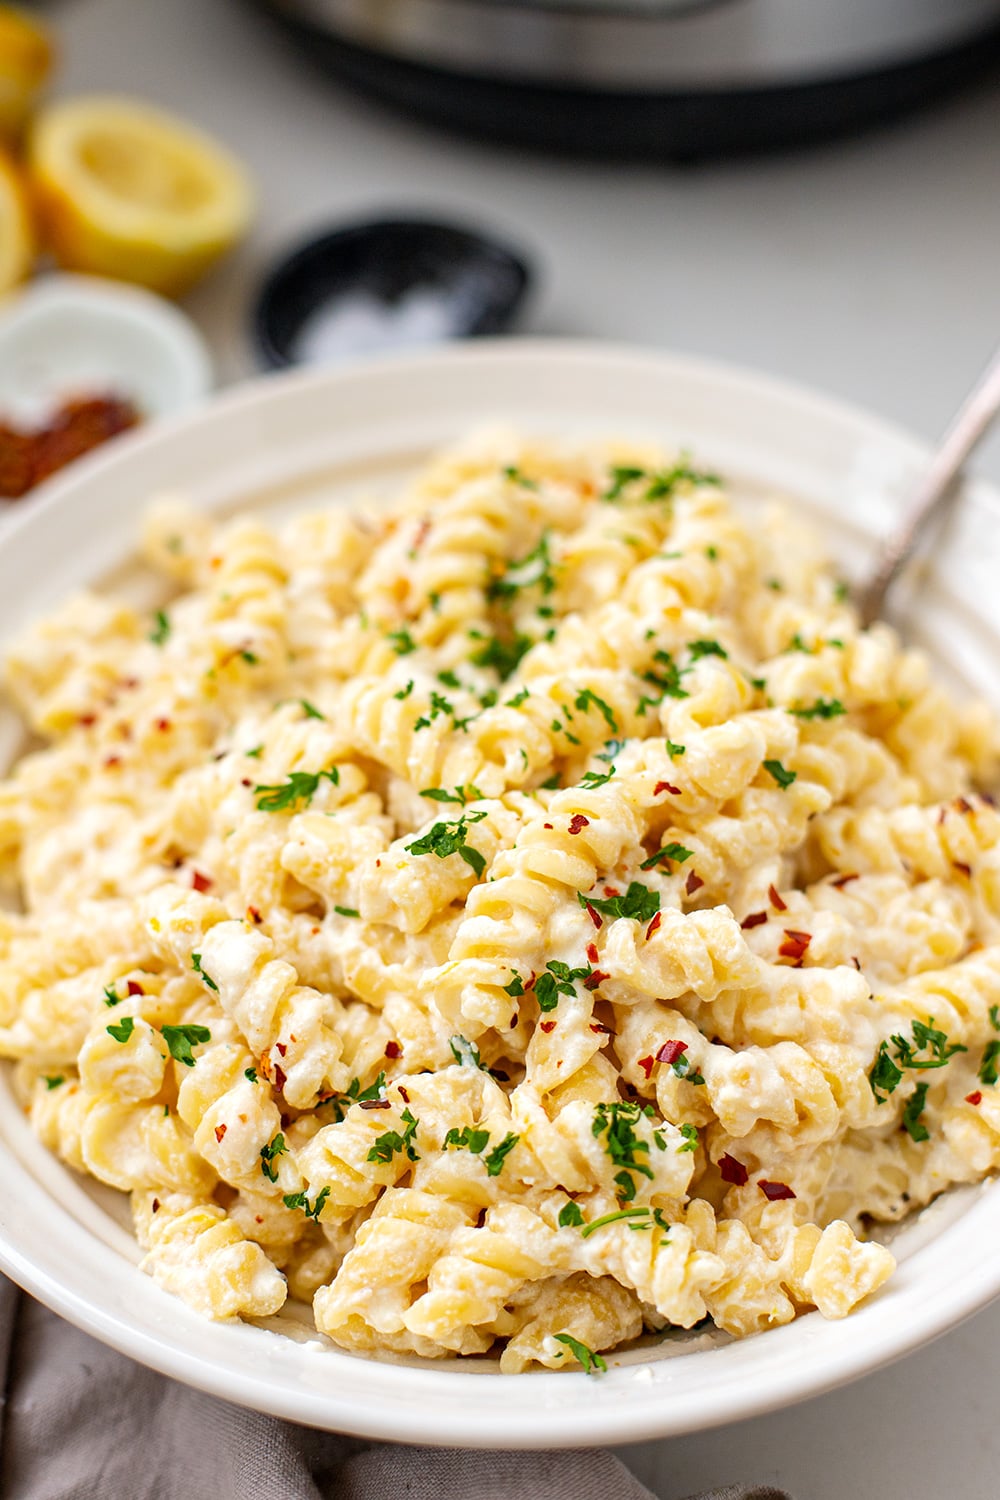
(433, 281)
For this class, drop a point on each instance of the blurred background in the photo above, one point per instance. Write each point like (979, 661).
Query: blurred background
(809, 187)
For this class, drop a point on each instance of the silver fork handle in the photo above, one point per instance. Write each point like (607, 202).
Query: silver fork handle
(937, 487)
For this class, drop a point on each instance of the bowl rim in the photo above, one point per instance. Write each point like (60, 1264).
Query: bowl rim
(434, 1406)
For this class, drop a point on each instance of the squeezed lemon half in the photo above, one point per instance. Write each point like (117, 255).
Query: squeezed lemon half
(25, 60)
(17, 239)
(128, 191)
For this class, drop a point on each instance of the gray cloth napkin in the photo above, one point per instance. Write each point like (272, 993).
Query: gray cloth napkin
(80, 1422)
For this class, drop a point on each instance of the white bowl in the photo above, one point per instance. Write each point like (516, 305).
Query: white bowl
(65, 335)
(308, 439)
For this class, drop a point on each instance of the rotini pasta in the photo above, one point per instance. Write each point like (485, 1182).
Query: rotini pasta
(517, 920)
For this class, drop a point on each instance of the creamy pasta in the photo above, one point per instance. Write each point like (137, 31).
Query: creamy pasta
(514, 920)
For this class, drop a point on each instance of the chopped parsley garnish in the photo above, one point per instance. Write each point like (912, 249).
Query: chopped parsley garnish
(612, 749)
(254, 753)
(775, 769)
(841, 591)
(346, 911)
(519, 697)
(995, 1017)
(468, 1139)
(712, 553)
(621, 1213)
(461, 794)
(250, 1074)
(823, 708)
(666, 675)
(621, 475)
(449, 679)
(161, 630)
(269, 1155)
(592, 1363)
(310, 710)
(401, 641)
(698, 649)
(690, 1134)
(674, 750)
(570, 1216)
(589, 699)
(552, 784)
(299, 788)
(557, 980)
(617, 1122)
(206, 979)
(662, 484)
(465, 1053)
(249, 657)
(798, 644)
(503, 655)
(53, 1080)
(449, 838)
(355, 1094)
(638, 902)
(516, 986)
(390, 1142)
(405, 691)
(111, 996)
(676, 853)
(514, 474)
(535, 569)
(592, 779)
(439, 705)
(494, 1162)
(886, 1074)
(911, 1114)
(180, 1040)
(299, 1200)
(988, 1069)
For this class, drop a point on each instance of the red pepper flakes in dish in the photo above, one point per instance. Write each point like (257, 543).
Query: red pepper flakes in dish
(694, 883)
(775, 899)
(646, 1064)
(671, 1052)
(133, 987)
(200, 882)
(220, 1131)
(29, 456)
(592, 953)
(578, 823)
(774, 1192)
(393, 1049)
(666, 786)
(595, 979)
(976, 1098)
(795, 945)
(654, 926)
(546, 1026)
(595, 917)
(843, 880)
(733, 1171)
(755, 919)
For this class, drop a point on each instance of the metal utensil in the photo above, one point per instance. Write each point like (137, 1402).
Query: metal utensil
(937, 489)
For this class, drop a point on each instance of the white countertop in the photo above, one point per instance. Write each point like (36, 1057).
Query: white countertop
(869, 270)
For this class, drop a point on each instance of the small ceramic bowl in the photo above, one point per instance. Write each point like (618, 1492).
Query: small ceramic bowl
(389, 284)
(65, 336)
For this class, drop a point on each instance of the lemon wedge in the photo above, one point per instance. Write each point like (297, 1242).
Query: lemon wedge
(25, 59)
(17, 240)
(128, 191)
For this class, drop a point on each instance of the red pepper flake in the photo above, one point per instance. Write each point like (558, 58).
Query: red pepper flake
(963, 805)
(155, 1205)
(282, 1048)
(378, 864)
(694, 883)
(546, 1026)
(200, 882)
(375, 1104)
(976, 1098)
(133, 987)
(592, 953)
(775, 899)
(647, 1064)
(393, 1049)
(795, 945)
(670, 1052)
(755, 919)
(733, 1171)
(220, 1131)
(578, 823)
(594, 979)
(942, 814)
(962, 868)
(403, 1094)
(611, 890)
(254, 914)
(85, 720)
(666, 786)
(112, 760)
(163, 725)
(595, 917)
(547, 825)
(601, 1029)
(842, 880)
(280, 1077)
(654, 926)
(245, 781)
(258, 1218)
(774, 1191)
(856, 962)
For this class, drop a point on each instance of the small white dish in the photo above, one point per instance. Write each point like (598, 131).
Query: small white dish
(311, 439)
(65, 336)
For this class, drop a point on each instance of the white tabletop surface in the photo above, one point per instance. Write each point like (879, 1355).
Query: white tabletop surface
(869, 270)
